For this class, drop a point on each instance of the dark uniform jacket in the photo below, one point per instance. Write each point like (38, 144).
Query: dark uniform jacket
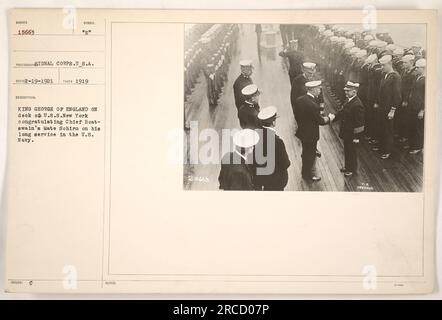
(308, 116)
(389, 92)
(374, 82)
(363, 84)
(299, 89)
(408, 80)
(239, 84)
(235, 174)
(296, 59)
(248, 116)
(352, 119)
(278, 179)
(417, 95)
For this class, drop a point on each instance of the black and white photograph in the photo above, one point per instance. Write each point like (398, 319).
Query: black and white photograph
(304, 107)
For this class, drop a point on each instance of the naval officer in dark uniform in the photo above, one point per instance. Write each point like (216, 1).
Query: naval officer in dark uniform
(299, 89)
(248, 112)
(237, 169)
(295, 57)
(417, 108)
(309, 118)
(298, 84)
(271, 174)
(388, 99)
(352, 126)
(243, 80)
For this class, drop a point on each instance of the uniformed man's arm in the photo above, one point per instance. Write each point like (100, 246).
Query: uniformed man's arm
(358, 116)
(421, 95)
(283, 158)
(283, 53)
(320, 119)
(396, 91)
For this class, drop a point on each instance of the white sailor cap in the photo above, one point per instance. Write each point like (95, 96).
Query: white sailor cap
(398, 52)
(268, 113)
(391, 47)
(417, 45)
(246, 138)
(293, 41)
(309, 65)
(334, 39)
(250, 90)
(342, 39)
(335, 27)
(385, 59)
(408, 58)
(371, 58)
(328, 33)
(368, 37)
(421, 63)
(313, 84)
(381, 44)
(351, 85)
(204, 40)
(373, 43)
(354, 50)
(348, 40)
(245, 63)
(349, 45)
(361, 53)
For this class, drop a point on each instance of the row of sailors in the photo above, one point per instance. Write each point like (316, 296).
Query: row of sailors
(210, 54)
(378, 66)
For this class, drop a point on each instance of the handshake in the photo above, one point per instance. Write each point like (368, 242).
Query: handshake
(331, 116)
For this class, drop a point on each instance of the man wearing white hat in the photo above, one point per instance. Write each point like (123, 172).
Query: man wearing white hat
(417, 108)
(248, 112)
(271, 174)
(388, 100)
(237, 169)
(298, 84)
(243, 80)
(352, 125)
(295, 57)
(308, 117)
(417, 49)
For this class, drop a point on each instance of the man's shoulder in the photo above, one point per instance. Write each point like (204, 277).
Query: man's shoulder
(244, 108)
(305, 100)
(299, 77)
(240, 79)
(356, 102)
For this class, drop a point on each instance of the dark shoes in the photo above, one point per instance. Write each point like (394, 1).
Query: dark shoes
(346, 172)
